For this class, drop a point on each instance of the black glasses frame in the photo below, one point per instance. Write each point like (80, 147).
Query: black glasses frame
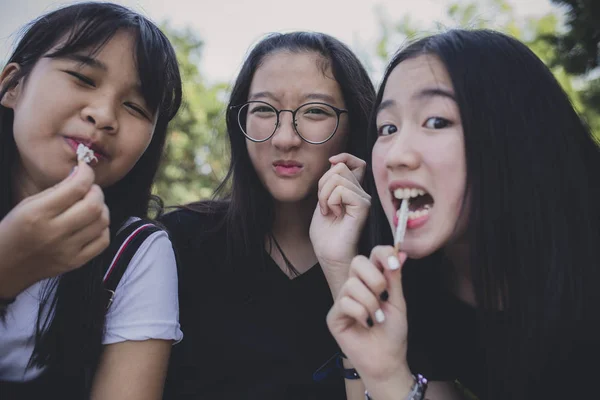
(338, 112)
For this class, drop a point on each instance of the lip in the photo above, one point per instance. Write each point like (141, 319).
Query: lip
(287, 168)
(98, 150)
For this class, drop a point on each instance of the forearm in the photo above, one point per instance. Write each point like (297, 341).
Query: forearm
(336, 273)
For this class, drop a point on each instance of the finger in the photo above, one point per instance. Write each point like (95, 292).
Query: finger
(350, 308)
(331, 184)
(358, 291)
(371, 276)
(92, 249)
(394, 279)
(390, 263)
(91, 231)
(83, 213)
(355, 164)
(72, 189)
(343, 199)
(338, 169)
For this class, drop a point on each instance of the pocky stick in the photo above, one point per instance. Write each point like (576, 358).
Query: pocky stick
(401, 227)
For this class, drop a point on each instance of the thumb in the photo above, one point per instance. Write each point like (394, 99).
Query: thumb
(70, 190)
(393, 275)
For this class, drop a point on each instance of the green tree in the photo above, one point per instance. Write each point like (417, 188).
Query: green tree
(533, 31)
(578, 52)
(196, 155)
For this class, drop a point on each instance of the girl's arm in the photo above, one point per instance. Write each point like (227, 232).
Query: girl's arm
(132, 370)
(141, 326)
(339, 218)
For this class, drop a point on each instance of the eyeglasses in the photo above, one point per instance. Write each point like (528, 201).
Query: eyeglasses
(314, 122)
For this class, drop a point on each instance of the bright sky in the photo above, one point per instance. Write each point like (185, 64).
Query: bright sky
(229, 27)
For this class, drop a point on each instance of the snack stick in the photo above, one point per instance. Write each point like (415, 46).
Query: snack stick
(401, 228)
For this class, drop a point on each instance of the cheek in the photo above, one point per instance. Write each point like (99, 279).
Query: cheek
(254, 150)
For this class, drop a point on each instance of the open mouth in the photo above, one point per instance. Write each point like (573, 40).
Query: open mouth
(420, 202)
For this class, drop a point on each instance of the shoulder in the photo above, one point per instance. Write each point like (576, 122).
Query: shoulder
(145, 303)
(194, 219)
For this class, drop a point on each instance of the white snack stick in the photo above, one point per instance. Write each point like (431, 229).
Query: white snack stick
(86, 154)
(401, 227)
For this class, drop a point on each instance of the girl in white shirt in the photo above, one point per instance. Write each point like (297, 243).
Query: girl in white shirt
(103, 76)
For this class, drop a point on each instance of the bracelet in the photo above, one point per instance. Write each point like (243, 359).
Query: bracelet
(417, 392)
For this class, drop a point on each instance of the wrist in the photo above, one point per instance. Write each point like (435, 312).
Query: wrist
(396, 387)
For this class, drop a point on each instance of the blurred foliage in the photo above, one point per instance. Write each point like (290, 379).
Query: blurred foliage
(196, 157)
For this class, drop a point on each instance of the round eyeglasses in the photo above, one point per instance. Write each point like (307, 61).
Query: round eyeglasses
(314, 122)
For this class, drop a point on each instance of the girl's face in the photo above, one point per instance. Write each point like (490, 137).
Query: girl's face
(420, 154)
(78, 98)
(287, 166)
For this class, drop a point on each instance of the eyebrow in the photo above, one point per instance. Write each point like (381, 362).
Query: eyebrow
(421, 95)
(89, 61)
(311, 96)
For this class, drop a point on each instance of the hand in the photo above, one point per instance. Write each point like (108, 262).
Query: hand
(368, 320)
(339, 217)
(53, 232)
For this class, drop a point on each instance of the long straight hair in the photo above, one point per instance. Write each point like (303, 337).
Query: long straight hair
(247, 206)
(68, 341)
(533, 184)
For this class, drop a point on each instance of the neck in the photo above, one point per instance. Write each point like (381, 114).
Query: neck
(291, 230)
(292, 220)
(460, 282)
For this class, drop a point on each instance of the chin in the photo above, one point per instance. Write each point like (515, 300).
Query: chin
(416, 250)
(286, 196)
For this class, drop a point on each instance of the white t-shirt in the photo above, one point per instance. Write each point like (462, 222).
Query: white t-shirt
(145, 307)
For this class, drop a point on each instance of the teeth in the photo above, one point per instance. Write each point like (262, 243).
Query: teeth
(419, 213)
(407, 193)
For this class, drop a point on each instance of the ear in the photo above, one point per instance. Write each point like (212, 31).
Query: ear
(12, 93)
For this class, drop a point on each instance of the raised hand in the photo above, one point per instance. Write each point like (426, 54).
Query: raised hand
(368, 320)
(53, 232)
(339, 217)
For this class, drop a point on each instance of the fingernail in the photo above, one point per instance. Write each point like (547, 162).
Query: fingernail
(384, 296)
(322, 211)
(73, 171)
(393, 263)
(379, 316)
(369, 322)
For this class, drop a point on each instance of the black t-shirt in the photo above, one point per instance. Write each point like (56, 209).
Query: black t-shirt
(252, 335)
(446, 344)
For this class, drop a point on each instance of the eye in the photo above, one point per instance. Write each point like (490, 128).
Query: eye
(82, 78)
(262, 110)
(138, 110)
(437, 123)
(386, 130)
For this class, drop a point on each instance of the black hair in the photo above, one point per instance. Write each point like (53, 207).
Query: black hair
(533, 189)
(248, 206)
(68, 342)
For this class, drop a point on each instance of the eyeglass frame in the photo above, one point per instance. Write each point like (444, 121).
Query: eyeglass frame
(338, 112)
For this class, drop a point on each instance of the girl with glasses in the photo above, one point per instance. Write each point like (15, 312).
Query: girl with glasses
(260, 264)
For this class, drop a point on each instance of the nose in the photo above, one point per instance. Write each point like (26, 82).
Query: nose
(285, 136)
(403, 152)
(102, 113)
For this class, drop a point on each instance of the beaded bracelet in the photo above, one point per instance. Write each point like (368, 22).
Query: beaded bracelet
(417, 392)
